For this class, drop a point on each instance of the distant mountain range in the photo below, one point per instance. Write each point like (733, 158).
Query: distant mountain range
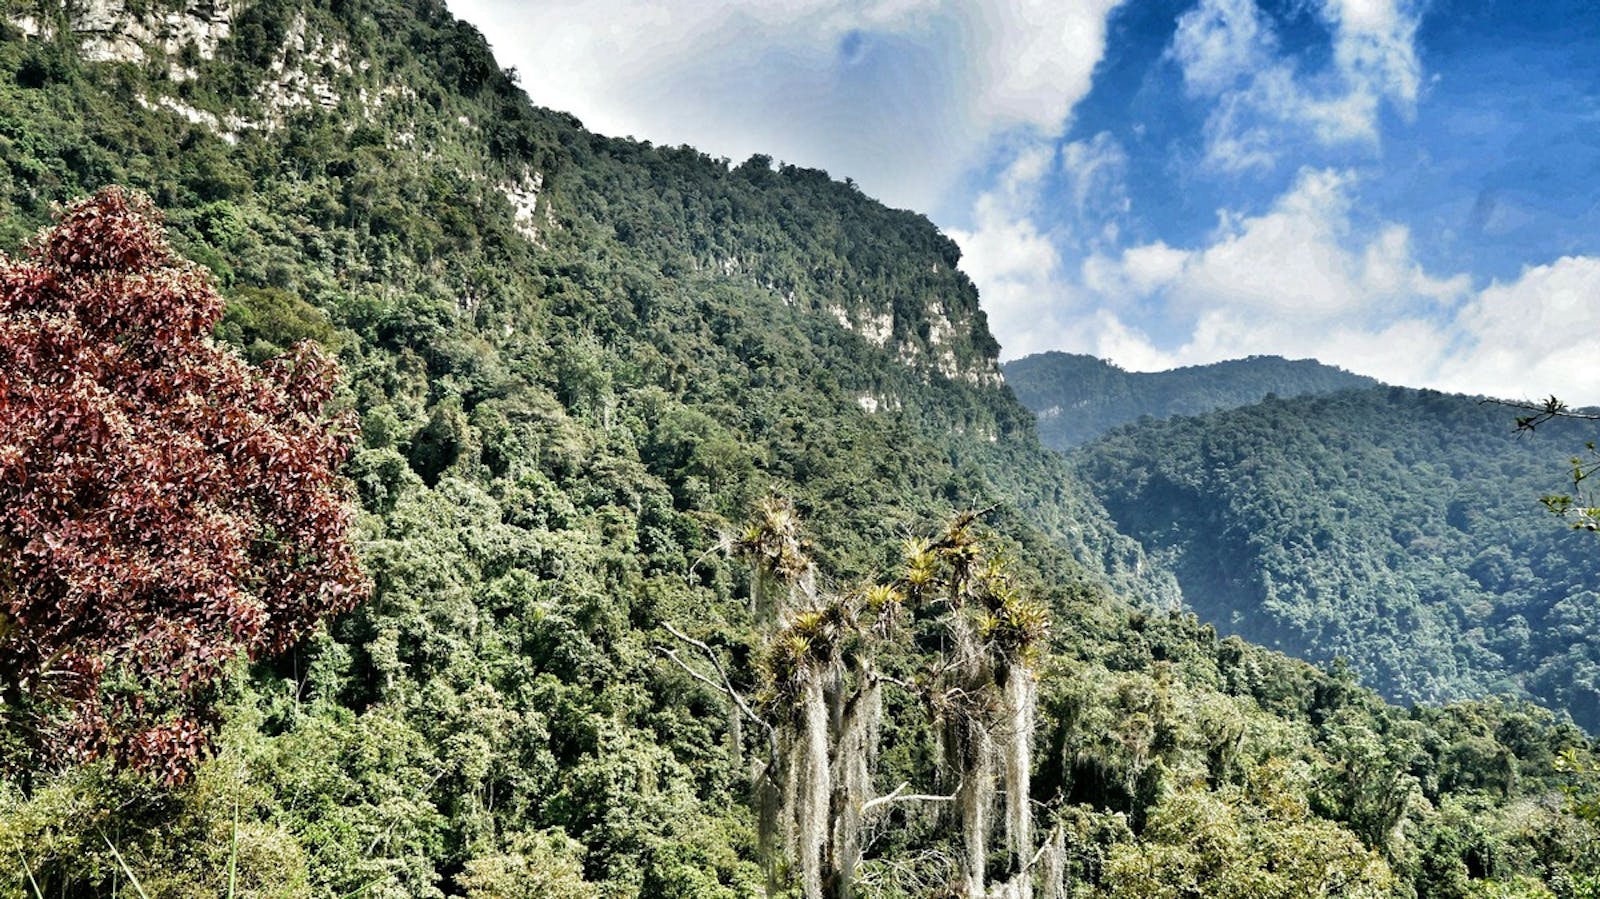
(587, 369)
(1318, 512)
(1078, 397)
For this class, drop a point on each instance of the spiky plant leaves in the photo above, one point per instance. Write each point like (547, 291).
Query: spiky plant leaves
(921, 566)
(773, 542)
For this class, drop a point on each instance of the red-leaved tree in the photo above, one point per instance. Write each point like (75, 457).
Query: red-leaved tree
(164, 506)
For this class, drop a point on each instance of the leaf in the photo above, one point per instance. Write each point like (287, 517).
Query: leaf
(132, 878)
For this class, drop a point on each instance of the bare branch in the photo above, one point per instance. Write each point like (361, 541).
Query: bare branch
(1542, 411)
(724, 544)
(711, 656)
(689, 670)
(1042, 847)
(899, 795)
(902, 684)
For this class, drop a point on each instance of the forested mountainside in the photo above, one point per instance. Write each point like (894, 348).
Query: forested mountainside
(581, 364)
(1077, 398)
(1398, 529)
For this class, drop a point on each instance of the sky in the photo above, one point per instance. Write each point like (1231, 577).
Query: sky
(1410, 190)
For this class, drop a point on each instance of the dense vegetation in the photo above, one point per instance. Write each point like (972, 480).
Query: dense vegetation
(570, 406)
(1078, 398)
(168, 506)
(1398, 529)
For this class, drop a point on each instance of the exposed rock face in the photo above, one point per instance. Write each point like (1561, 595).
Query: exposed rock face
(877, 329)
(942, 335)
(29, 25)
(226, 128)
(523, 195)
(302, 74)
(938, 352)
(870, 403)
(108, 31)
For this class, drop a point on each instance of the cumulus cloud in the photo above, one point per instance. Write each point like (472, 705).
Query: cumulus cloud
(1375, 46)
(1037, 58)
(1231, 57)
(904, 96)
(1532, 336)
(1297, 279)
(1301, 279)
(1151, 267)
(1030, 300)
(1017, 267)
(1220, 44)
(1303, 261)
(1281, 280)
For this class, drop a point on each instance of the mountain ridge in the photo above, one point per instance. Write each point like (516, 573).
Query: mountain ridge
(1079, 397)
(580, 368)
(1399, 529)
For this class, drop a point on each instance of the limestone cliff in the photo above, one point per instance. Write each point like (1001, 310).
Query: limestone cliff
(304, 68)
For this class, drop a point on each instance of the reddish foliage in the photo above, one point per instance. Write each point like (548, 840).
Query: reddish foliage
(166, 506)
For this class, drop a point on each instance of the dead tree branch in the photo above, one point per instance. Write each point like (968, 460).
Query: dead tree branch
(726, 686)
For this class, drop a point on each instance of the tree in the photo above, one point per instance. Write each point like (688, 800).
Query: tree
(821, 702)
(820, 705)
(984, 694)
(1582, 510)
(168, 507)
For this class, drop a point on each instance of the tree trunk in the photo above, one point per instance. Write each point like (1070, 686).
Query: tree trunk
(852, 777)
(815, 791)
(975, 797)
(1018, 755)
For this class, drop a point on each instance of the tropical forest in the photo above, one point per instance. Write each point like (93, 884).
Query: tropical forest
(408, 491)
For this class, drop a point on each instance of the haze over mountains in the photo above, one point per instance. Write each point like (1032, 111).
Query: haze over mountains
(1078, 397)
(1399, 530)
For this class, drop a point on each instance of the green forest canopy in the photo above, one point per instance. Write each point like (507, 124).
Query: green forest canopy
(563, 414)
(1400, 530)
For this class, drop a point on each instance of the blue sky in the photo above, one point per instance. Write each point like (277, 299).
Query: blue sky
(1410, 190)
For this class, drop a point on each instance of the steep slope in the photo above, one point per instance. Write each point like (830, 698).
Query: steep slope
(424, 205)
(1077, 398)
(579, 362)
(1398, 529)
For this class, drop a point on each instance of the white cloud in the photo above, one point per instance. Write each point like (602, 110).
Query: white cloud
(1533, 336)
(1017, 267)
(1303, 260)
(1152, 266)
(1261, 99)
(1038, 58)
(1107, 337)
(1299, 279)
(1302, 280)
(1220, 43)
(1016, 264)
(1375, 44)
(904, 96)
(1004, 247)
(1095, 171)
